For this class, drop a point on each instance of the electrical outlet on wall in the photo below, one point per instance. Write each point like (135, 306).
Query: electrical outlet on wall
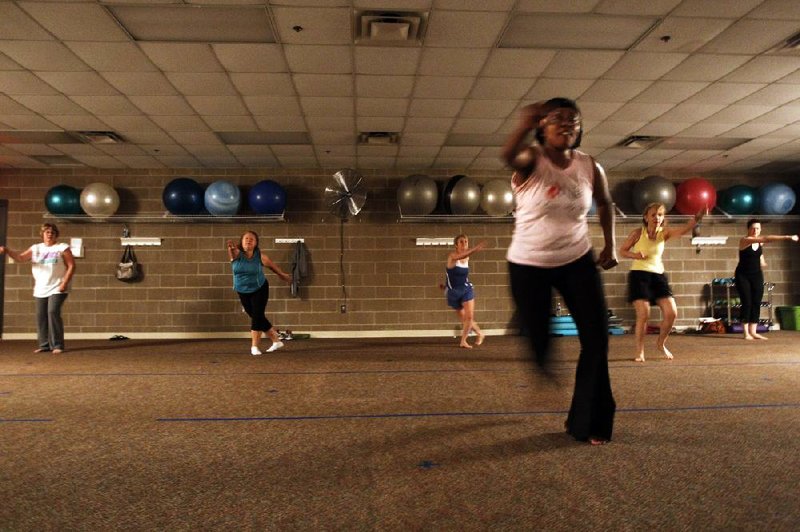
(343, 309)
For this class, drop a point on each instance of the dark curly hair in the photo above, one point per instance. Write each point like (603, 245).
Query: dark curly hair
(560, 103)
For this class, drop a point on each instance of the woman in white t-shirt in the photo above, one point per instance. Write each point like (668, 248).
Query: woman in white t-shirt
(554, 185)
(53, 267)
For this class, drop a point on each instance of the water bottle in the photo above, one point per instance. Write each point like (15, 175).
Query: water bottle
(558, 308)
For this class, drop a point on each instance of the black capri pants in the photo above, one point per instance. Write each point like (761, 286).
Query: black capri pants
(750, 286)
(255, 304)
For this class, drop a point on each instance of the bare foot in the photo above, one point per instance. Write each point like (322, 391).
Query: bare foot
(597, 441)
(465, 345)
(41, 350)
(481, 336)
(759, 337)
(640, 358)
(57, 351)
(747, 337)
(665, 352)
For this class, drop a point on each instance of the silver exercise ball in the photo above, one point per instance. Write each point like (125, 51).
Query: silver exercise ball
(653, 189)
(99, 200)
(497, 199)
(461, 195)
(417, 195)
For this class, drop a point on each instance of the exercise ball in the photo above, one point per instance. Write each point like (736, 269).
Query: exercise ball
(497, 199)
(267, 197)
(739, 199)
(99, 200)
(63, 200)
(653, 189)
(694, 195)
(417, 194)
(222, 198)
(183, 196)
(461, 195)
(776, 198)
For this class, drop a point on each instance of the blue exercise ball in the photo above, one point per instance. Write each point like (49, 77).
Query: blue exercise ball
(63, 200)
(267, 197)
(222, 198)
(653, 189)
(183, 196)
(776, 198)
(739, 199)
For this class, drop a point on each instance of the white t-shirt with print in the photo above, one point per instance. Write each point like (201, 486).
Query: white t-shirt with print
(48, 269)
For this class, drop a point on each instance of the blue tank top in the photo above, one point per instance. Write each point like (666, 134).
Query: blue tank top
(457, 277)
(248, 274)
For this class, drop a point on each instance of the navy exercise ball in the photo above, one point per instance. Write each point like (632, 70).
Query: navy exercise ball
(777, 198)
(739, 200)
(63, 200)
(183, 196)
(222, 198)
(267, 197)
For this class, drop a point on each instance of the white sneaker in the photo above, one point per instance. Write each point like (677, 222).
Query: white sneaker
(255, 351)
(275, 346)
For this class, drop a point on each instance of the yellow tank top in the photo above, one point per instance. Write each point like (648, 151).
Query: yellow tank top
(652, 249)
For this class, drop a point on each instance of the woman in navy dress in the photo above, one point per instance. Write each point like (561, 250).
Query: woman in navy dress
(459, 291)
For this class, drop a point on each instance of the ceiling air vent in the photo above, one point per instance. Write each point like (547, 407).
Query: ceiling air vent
(378, 138)
(98, 137)
(396, 28)
(639, 142)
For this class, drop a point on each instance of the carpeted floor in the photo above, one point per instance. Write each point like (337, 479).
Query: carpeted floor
(389, 434)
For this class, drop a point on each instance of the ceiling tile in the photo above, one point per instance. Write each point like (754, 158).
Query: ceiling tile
(334, 138)
(476, 125)
(605, 90)
(634, 7)
(706, 67)
(280, 123)
(682, 34)
(140, 161)
(500, 88)
(428, 125)
(443, 87)
(78, 83)
(724, 92)
(738, 114)
(112, 56)
(318, 106)
(474, 5)
(556, 6)
(382, 106)
(107, 105)
(640, 111)
(777, 9)
(191, 138)
(580, 64)
(510, 63)
(386, 60)
(319, 25)
(764, 69)
(22, 82)
(544, 89)
(258, 84)
(218, 105)
(327, 123)
(162, 105)
(487, 108)
(748, 36)
(77, 122)
(123, 124)
(435, 108)
(463, 29)
(452, 61)
(277, 105)
(775, 94)
(231, 123)
(669, 91)
(644, 66)
(384, 86)
(691, 113)
(323, 84)
(50, 105)
(140, 83)
(17, 24)
(319, 59)
(181, 57)
(751, 130)
(250, 57)
(202, 84)
(43, 55)
(76, 21)
(377, 123)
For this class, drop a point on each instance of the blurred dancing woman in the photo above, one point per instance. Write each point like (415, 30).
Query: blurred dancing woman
(750, 277)
(53, 267)
(249, 281)
(459, 292)
(647, 282)
(554, 184)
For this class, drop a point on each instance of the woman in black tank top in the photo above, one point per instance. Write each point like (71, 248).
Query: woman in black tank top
(750, 277)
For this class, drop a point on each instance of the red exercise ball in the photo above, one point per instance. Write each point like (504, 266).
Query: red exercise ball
(694, 195)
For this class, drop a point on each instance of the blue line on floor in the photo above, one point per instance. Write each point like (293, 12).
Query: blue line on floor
(467, 414)
(25, 420)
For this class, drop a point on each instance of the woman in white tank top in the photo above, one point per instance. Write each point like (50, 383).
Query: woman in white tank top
(554, 185)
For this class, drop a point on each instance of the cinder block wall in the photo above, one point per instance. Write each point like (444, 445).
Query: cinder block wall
(391, 284)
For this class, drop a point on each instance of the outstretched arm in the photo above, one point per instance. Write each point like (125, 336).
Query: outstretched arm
(266, 261)
(233, 250)
(691, 224)
(763, 239)
(456, 256)
(24, 256)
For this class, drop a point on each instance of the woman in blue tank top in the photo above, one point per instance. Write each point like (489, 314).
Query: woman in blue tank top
(458, 289)
(249, 281)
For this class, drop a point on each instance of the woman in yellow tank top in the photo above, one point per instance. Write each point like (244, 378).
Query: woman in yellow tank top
(647, 283)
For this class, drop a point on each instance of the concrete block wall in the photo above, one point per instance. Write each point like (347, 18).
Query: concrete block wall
(391, 284)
